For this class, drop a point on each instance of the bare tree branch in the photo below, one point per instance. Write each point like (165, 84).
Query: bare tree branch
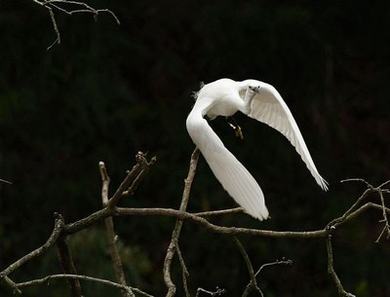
(179, 223)
(69, 7)
(362, 180)
(251, 271)
(105, 182)
(68, 266)
(331, 270)
(386, 227)
(46, 279)
(185, 273)
(380, 191)
(169, 212)
(109, 222)
(133, 178)
(128, 186)
(9, 284)
(219, 212)
(5, 181)
(58, 226)
(218, 292)
(218, 229)
(277, 262)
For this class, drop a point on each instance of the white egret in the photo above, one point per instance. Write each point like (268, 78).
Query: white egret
(259, 101)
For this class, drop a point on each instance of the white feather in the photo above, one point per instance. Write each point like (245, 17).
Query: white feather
(232, 175)
(225, 97)
(268, 107)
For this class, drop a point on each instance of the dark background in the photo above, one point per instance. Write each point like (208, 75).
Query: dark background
(108, 91)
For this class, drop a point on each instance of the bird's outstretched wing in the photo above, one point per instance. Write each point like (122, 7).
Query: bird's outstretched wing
(233, 176)
(268, 107)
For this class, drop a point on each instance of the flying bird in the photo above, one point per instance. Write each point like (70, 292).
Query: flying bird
(260, 101)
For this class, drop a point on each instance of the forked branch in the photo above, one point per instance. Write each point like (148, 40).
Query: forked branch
(70, 8)
(128, 186)
(112, 247)
(177, 229)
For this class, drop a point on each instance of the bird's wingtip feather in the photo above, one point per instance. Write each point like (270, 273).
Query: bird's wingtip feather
(324, 184)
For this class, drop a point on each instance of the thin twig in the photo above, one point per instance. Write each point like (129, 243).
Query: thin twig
(362, 180)
(384, 184)
(132, 179)
(10, 285)
(5, 181)
(251, 271)
(219, 212)
(57, 5)
(386, 227)
(331, 270)
(112, 247)
(185, 273)
(218, 292)
(277, 262)
(338, 220)
(46, 279)
(58, 226)
(68, 266)
(105, 182)
(137, 180)
(55, 27)
(179, 223)
(370, 188)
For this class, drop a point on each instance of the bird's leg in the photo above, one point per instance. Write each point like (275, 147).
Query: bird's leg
(237, 129)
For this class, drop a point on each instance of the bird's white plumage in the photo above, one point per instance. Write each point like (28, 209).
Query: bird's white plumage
(268, 107)
(225, 97)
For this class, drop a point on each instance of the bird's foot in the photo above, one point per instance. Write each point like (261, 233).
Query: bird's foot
(237, 131)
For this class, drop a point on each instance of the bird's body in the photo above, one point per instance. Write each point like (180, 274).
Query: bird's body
(260, 101)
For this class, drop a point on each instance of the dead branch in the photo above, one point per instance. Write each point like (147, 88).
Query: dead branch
(58, 226)
(219, 212)
(370, 189)
(185, 273)
(128, 186)
(179, 223)
(68, 266)
(251, 271)
(5, 181)
(277, 262)
(133, 178)
(218, 292)
(46, 279)
(9, 284)
(386, 227)
(331, 270)
(215, 228)
(113, 249)
(169, 212)
(70, 8)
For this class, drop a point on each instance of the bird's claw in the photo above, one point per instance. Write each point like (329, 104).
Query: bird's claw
(237, 131)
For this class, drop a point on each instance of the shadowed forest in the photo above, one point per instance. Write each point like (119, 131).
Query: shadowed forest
(108, 91)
